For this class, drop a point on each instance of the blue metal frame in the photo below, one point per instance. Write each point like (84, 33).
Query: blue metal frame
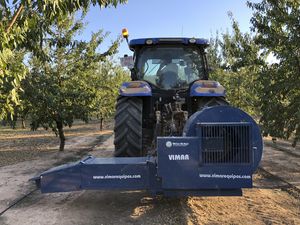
(194, 93)
(140, 88)
(183, 40)
(142, 173)
(177, 170)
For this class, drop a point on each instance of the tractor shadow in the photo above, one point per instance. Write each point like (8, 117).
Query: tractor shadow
(104, 207)
(134, 207)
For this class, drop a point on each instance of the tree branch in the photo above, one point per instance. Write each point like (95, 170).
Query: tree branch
(15, 17)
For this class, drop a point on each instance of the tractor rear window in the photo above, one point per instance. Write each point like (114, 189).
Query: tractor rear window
(170, 67)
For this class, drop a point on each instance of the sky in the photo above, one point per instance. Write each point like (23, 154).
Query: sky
(166, 18)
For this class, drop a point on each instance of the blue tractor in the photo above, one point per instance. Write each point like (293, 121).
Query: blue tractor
(169, 84)
(175, 133)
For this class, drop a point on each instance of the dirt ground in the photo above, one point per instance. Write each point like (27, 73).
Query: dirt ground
(274, 199)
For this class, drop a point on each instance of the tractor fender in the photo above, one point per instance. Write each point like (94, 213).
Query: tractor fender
(207, 88)
(135, 88)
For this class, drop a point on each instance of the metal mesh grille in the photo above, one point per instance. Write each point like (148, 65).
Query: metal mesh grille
(225, 143)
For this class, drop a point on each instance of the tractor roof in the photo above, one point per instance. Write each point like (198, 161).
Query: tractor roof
(182, 40)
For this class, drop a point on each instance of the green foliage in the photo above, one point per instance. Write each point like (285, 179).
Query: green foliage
(277, 24)
(12, 71)
(106, 81)
(73, 84)
(24, 24)
(236, 63)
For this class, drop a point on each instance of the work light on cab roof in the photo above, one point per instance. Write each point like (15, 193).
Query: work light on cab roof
(125, 34)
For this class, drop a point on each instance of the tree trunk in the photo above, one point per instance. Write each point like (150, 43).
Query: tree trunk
(13, 123)
(23, 123)
(297, 135)
(61, 135)
(101, 123)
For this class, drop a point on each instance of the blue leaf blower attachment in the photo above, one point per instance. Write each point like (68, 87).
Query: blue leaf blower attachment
(217, 154)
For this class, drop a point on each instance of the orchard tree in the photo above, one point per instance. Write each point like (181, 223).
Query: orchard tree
(277, 24)
(24, 24)
(10, 79)
(236, 62)
(59, 90)
(106, 81)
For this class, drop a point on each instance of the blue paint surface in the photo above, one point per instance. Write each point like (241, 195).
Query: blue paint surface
(135, 92)
(179, 168)
(183, 40)
(194, 93)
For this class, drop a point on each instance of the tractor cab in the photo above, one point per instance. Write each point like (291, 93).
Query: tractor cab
(169, 63)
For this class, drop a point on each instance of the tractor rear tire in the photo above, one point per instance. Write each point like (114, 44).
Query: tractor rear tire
(128, 127)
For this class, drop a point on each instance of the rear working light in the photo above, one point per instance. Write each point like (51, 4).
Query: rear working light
(149, 42)
(192, 40)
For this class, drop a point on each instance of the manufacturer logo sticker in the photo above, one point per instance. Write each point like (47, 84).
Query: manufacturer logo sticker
(168, 144)
(179, 157)
(180, 144)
